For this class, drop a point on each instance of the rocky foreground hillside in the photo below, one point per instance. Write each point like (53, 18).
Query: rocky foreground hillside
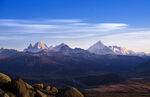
(19, 88)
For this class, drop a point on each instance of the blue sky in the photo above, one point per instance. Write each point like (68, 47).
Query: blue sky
(79, 23)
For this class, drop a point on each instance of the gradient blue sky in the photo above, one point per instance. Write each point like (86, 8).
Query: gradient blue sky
(79, 23)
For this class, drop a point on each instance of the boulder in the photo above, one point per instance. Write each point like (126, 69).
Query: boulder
(32, 92)
(53, 90)
(17, 87)
(4, 78)
(30, 89)
(38, 86)
(4, 95)
(70, 92)
(40, 94)
(47, 88)
(11, 94)
(28, 86)
(1, 92)
(21, 88)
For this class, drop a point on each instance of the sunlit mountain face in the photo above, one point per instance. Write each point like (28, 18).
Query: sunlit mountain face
(97, 48)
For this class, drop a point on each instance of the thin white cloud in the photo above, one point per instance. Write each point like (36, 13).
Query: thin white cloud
(62, 26)
(112, 25)
(9, 38)
(33, 26)
(80, 24)
(71, 36)
(64, 20)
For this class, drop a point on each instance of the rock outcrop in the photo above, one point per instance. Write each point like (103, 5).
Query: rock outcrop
(38, 86)
(4, 78)
(70, 92)
(19, 88)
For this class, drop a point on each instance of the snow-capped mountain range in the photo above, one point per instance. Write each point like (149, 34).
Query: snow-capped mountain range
(39, 46)
(100, 48)
(97, 48)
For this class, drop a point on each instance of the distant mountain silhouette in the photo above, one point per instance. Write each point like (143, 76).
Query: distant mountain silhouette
(97, 48)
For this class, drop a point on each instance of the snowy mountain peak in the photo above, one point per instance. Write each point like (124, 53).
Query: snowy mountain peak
(65, 48)
(51, 47)
(39, 46)
(61, 47)
(97, 45)
(119, 50)
(62, 44)
(100, 48)
(99, 42)
(31, 45)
